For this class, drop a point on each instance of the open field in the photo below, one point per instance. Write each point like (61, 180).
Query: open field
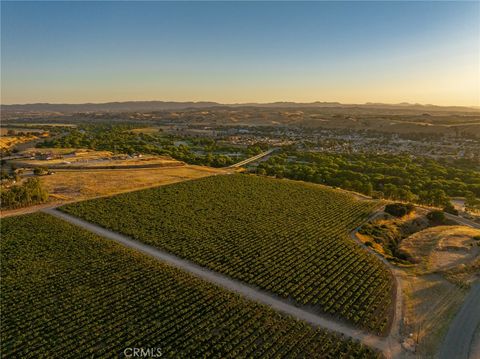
(448, 250)
(285, 237)
(77, 185)
(431, 302)
(146, 130)
(7, 142)
(446, 263)
(68, 293)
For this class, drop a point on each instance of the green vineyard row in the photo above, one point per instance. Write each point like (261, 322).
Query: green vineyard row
(67, 293)
(285, 237)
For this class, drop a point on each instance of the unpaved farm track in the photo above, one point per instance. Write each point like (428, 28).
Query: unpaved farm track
(390, 348)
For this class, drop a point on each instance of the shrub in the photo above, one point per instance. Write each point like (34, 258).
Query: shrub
(449, 208)
(436, 217)
(399, 209)
(40, 171)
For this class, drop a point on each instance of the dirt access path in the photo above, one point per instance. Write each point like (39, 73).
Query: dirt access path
(394, 338)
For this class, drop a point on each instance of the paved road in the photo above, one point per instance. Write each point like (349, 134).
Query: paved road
(382, 344)
(252, 159)
(461, 332)
(462, 220)
(475, 346)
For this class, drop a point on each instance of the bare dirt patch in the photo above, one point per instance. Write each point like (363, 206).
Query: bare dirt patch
(442, 248)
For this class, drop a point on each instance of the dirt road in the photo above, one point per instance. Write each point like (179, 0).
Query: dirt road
(391, 349)
(394, 337)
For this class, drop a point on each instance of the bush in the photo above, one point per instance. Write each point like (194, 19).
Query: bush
(449, 208)
(40, 171)
(476, 238)
(436, 216)
(399, 209)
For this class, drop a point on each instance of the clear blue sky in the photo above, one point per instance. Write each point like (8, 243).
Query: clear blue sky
(426, 52)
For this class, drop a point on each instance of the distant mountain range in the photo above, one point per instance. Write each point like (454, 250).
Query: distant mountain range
(138, 106)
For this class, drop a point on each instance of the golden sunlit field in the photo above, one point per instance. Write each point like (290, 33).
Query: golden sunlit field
(430, 304)
(447, 262)
(68, 185)
(7, 142)
(77, 185)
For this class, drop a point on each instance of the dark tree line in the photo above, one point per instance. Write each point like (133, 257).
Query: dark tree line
(120, 138)
(396, 177)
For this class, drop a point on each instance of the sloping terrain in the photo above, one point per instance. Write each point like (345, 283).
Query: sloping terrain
(68, 293)
(285, 237)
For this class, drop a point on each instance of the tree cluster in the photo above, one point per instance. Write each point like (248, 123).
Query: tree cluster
(395, 177)
(29, 192)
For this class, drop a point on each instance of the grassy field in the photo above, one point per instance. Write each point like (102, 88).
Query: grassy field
(67, 293)
(83, 184)
(431, 302)
(286, 237)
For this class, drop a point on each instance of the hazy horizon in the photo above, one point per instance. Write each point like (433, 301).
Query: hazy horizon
(239, 103)
(241, 52)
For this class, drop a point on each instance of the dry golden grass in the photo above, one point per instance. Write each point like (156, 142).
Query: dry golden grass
(143, 161)
(447, 262)
(7, 142)
(464, 274)
(145, 130)
(375, 246)
(430, 303)
(442, 248)
(78, 185)
(75, 185)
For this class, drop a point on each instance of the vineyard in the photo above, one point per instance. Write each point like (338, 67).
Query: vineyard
(285, 237)
(67, 293)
